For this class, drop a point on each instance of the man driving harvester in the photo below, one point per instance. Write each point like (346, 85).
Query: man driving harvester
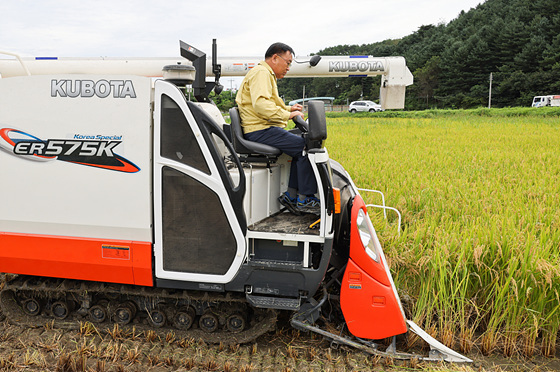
(264, 117)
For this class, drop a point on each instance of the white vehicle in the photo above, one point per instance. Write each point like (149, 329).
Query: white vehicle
(542, 101)
(113, 177)
(364, 106)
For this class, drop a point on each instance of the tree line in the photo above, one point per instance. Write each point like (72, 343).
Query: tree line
(518, 41)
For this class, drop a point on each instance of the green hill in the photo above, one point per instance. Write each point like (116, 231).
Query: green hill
(518, 41)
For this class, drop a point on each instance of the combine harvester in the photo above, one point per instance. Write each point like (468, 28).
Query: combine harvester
(126, 203)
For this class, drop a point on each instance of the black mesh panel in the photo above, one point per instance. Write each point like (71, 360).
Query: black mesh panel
(177, 139)
(197, 237)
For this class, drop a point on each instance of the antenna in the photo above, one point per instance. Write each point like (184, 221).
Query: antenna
(216, 68)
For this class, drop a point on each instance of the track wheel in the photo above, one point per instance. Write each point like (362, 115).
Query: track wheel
(124, 313)
(184, 318)
(98, 313)
(235, 323)
(60, 310)
(157, 318)
(208, 322)
(31, 307)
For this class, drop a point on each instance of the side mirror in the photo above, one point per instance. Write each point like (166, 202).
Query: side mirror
(314, 60)
(218, 88)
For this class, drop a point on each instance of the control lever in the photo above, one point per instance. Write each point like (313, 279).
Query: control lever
(301, 124)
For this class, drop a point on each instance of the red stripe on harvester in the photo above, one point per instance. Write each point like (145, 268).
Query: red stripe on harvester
(114, 261)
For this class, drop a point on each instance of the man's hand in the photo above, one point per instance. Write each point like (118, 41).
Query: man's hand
(296, 107)
(296, 113)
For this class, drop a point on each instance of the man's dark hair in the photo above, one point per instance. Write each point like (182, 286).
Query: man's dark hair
(278, 48)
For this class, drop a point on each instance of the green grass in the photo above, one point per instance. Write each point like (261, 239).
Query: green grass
(494, 112)
(479, 191)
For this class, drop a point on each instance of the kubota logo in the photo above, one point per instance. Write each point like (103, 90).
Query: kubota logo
(95, 153)
(90, 88)
(355, 66)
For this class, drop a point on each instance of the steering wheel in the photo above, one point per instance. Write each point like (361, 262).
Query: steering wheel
(301, 124)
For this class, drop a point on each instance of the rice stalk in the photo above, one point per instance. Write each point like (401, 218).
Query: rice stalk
(479, 250)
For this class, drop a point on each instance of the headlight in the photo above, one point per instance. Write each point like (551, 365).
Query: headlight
(366, 235)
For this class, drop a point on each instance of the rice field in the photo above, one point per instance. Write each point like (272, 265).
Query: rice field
(477, 255)
(479, 193)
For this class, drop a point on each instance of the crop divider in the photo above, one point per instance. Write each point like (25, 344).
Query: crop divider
(382, 199)
(383, 206)
(390, 208)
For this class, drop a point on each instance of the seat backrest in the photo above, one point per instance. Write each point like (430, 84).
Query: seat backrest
(244, 146)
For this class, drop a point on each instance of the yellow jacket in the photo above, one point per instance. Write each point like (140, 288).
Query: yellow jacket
(259, 104)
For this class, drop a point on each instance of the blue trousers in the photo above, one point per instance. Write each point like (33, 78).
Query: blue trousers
(301, 174)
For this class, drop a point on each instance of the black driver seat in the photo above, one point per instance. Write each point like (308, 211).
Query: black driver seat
(249, 151)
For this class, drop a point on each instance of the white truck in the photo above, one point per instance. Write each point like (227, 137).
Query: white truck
(543, 101)
(126, 203)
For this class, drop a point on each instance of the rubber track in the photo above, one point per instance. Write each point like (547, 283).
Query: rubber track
(262, 321)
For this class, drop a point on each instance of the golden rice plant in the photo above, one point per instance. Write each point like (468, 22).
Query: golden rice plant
(479, 250)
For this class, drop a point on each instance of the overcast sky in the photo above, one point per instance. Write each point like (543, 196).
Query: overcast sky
(141, 28)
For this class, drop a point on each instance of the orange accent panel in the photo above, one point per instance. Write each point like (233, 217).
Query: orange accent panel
(114, 261)
(142, 264)
(336, 195)
(370, 308)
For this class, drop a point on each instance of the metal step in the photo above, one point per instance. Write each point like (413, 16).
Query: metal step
(278, 303)
(292, 265)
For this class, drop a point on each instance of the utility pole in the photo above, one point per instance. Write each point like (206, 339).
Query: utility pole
(490, 93)
(231, 88)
